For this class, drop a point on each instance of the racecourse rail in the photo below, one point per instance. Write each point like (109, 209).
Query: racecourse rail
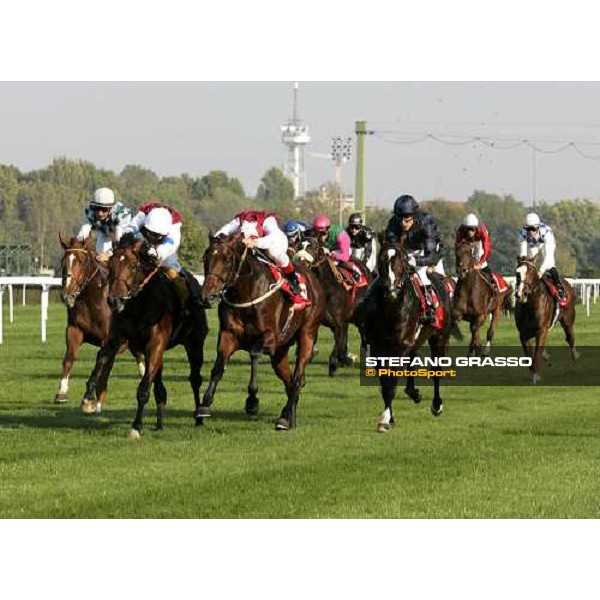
(588, 291)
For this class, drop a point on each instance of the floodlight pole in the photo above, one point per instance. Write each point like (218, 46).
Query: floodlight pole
(359, 182)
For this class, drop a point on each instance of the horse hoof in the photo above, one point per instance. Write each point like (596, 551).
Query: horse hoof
(282, 425)
(60, 399)
(98, 409)
(134, 435)
(414, 395)
(199, 421)
(251, 408)
(88, 407)
(352, 359)
(383, 427)
(203, 412)
(436, 412)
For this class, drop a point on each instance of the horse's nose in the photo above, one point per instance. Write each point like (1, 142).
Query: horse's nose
(115, 304)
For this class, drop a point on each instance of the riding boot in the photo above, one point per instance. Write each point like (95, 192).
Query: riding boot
(488, 273)
(562, 295)
(292, 278)
(429, 315)
(194, 290)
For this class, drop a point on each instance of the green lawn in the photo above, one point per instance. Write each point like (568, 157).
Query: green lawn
(495, 452)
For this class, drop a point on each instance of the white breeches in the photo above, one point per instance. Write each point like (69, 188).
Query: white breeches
(549, 261)
(277, 249)
(103, 243)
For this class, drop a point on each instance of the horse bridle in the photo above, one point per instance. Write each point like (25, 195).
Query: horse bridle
(136, 287)
(400, 284)
(230, 259)
(81, 287)
(527, 287)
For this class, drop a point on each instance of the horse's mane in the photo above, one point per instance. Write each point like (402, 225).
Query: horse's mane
(128, 240)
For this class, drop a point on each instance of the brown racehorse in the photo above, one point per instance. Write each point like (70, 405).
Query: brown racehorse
(474, 299)
(84, 291)
(148, 315)
(394, 329)
(535, 310)
(340, 300)
(255, 316)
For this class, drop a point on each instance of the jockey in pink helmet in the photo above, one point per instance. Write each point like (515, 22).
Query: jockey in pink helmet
(334, 239)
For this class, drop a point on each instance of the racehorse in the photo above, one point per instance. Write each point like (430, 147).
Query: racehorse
(474, 298)
(536, 312)
(150, 316)
(341, 297)
(84, 291)
(395, 328)
(255, 316)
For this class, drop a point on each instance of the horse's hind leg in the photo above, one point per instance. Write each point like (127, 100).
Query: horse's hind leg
(228, 344)
(74, 339)
(252, 401)
(334, 357)
(97, 384)
(160, 397)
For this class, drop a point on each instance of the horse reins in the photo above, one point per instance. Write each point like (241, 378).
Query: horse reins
(89, 278)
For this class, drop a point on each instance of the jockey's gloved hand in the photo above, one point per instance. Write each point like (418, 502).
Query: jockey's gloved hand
(326, 250)
(412, 261)
(305, 256)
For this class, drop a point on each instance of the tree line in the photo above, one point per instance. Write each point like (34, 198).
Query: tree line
(36, 205)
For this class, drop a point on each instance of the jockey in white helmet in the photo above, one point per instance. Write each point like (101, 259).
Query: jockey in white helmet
(160, 226)
(107, 218)
(535, 237)
(472, 230)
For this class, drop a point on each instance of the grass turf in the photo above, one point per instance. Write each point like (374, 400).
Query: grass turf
(495, 452)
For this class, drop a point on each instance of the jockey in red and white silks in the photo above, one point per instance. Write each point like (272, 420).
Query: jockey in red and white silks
(261, 229)
(472, 230)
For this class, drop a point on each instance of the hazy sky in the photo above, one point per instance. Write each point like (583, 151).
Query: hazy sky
(195, 127)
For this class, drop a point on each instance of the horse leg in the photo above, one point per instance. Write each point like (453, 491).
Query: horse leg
(496, 314)
(281, 366)
(388, 392)
(540, 343)
(154, 364)
(97, 383)
(475, 346)
(335, 351)
(568, 328)
(74, 339)
(160, 397)
(252, 401)
(410, 390)
(194, 348)
(228, 344)
(438, 348)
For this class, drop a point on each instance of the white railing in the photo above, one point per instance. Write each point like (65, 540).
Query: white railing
(9, 283)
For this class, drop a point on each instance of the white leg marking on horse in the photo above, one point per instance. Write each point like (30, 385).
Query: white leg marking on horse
(386, 417)
(536, 378)
(64, 386)
(141, 368)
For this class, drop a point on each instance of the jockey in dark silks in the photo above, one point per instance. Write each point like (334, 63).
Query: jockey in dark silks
(424, 250)
(296, 232)
(362, 242)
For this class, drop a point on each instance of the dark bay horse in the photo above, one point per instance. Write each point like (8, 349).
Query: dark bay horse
(340, 300)
(149, 316)
(535, 314)
(255, 316)
(474, 299)
(395, 328)
(85, 292)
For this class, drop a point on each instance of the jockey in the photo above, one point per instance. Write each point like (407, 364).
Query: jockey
(108, 218)
(472, 230)
(261, 230)
(295, 232)
(160, 226)
(536, 236)
(424, 247)
(334, 240)
(362, 242)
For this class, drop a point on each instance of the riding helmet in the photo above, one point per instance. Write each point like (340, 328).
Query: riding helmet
(406, 206)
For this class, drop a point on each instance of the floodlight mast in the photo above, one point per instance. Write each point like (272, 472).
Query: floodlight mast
(295, 136)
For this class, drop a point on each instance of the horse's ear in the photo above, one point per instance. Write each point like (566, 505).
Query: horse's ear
(64, 241)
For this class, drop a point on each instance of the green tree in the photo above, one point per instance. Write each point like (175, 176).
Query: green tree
(275, 190)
